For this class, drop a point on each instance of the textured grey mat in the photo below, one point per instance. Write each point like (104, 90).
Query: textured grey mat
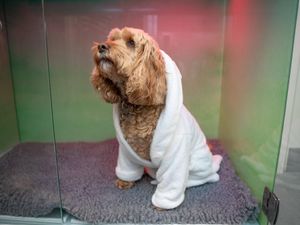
(28, 187)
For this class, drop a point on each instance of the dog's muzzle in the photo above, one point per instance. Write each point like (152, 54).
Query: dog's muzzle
(103, 48)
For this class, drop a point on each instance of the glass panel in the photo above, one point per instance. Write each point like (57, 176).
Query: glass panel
(28, 174)
(8, 123)
(287, 185)
(259, 41)
(194, 40)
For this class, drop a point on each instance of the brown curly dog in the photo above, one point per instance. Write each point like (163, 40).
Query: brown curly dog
(129, 70)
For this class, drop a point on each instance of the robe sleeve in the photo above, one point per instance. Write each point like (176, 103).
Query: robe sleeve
(172, 175)
(127, 169)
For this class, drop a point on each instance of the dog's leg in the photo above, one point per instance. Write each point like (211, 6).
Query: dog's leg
(173, 177)
(121, 184)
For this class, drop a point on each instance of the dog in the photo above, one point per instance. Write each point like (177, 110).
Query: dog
(156, 133)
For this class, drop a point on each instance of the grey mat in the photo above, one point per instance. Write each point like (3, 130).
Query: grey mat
(28, 187)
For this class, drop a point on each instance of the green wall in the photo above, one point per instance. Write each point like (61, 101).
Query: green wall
(194, 42)
(8, 122)
(258, 49)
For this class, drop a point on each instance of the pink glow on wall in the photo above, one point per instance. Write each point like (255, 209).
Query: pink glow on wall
(243, 39)
(191, 32)
(183, 29)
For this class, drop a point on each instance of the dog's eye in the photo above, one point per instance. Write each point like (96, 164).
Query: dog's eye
(130, 43)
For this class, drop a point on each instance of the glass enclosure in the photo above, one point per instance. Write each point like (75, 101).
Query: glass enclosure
(234, 56)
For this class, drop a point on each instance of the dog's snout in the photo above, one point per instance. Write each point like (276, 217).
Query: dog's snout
(102, 48)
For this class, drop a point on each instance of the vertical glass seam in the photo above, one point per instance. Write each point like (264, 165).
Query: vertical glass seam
(51, 106)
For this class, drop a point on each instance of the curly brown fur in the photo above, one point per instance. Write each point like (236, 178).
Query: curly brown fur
(138, 124)
(129, 70)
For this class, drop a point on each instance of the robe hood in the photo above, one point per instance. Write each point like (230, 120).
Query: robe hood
(167, 122)
(166, 125)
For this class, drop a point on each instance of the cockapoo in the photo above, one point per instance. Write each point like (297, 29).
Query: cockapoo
(156, 133)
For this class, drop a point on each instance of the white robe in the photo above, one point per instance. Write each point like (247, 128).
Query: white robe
(180, 157)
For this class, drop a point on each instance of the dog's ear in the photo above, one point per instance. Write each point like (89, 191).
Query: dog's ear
(146, 84)
(105, 87)
(95, 78)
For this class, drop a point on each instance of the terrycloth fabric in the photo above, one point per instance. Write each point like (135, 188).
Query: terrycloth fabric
(28, 187)
(180, 157)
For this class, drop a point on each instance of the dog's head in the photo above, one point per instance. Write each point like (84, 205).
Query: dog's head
(132, 61)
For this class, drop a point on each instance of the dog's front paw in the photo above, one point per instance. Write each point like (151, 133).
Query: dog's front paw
(158, 209)
(121, 184)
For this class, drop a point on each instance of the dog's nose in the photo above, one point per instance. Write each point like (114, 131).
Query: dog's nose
(102, 48)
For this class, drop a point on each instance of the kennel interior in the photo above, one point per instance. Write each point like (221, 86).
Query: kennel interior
(235, 57)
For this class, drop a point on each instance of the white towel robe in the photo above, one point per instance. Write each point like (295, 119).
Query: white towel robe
(180, 157)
